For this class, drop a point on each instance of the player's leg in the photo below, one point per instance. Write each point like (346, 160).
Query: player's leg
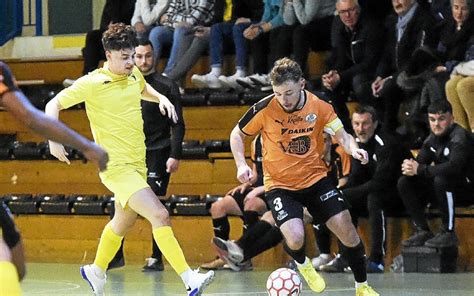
(254, 207)
(229, 205)
(146, 204)
(287, 210)
(158, 179)
(110, 241)
(9, 280)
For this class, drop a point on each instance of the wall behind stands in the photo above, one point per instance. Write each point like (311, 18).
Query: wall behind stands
(69, 16)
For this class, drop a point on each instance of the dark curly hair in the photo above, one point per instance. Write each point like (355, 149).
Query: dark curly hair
(119, 36)
(284, 70)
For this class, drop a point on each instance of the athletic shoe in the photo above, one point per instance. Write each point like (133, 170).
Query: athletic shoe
(215, 264)
(97, 284)
(373, 267)
(366, 290)
(228, 249)
(418, 239)
(246, 82)
(230, 81)
(313, 279)
(338, 264)
(322, 259)
(260, 79)
(444, 239)
(198, 282)
(208, 80)
(153, 264)
(244, 266)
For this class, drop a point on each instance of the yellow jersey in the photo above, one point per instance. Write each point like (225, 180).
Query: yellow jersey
(113, 107)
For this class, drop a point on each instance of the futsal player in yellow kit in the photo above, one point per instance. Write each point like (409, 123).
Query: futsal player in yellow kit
(112, 97)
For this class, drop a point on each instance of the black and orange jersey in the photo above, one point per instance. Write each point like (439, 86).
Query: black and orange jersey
(292, 143)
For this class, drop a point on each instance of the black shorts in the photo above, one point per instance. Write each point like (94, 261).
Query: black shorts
(157, 177)
(239, 198)
(322, 199)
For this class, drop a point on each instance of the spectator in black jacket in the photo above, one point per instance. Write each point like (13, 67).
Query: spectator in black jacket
(443, 173)
(371, 188)
(413, 26)
(163, 138)
(355, 53)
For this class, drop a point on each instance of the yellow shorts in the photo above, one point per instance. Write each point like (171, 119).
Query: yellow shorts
(125, 180)
(9, 283)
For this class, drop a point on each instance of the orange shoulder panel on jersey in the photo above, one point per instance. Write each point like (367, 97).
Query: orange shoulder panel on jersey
(252, 121)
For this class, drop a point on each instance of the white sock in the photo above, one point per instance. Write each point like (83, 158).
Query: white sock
(216, 71)
(357, 285)
(240, 72)
(186, 275)
(98, 271)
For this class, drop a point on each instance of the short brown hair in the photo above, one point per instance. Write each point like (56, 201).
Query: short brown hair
(119, 36)
(284, 70)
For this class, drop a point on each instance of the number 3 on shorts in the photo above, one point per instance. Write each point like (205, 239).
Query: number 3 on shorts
(278, 204)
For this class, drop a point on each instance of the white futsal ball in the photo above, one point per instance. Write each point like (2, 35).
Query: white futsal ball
(284, 282)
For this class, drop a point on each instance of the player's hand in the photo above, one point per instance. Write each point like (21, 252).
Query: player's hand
(57, 150)
(244, 174)
(167, 108)
(172, 165)
(97, 155)
(361, 155)
(241, 188)
(7, 80)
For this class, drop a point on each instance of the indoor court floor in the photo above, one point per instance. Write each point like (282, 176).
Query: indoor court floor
(64, 279)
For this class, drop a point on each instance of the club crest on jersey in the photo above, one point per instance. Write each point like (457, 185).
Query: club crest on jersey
(299, 146)
(311, 117)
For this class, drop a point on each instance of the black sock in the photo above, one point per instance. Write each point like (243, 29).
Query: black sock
(250, 219)
(257, 231)
(298, 255)
(272, 238)
(323, 239)
(357, 261)
(221, 227)
(156, 251)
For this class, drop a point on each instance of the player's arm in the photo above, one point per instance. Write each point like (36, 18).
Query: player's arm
(19, 106)
(237, 145)
(166, 107)
(350, 145)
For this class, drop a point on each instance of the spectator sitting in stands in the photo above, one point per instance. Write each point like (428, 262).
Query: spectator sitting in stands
(460, 90)
(262, 37)
(147, 15)
(413, 26)
(371, 189)
(355, 53)
(305, 18)
(194, 45)
(180, 19)
(244, 13)
(246, 200)
(443, 173)
(93, 51)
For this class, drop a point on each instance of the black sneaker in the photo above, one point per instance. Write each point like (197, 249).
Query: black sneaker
(153, 264)
(116, 263)
(418, 239)
(443, 239)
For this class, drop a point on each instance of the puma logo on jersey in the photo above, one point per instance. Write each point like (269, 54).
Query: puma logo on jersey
(279, 121)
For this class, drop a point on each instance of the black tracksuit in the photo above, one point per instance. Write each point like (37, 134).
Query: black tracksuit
(445, 176)
(372, 186)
